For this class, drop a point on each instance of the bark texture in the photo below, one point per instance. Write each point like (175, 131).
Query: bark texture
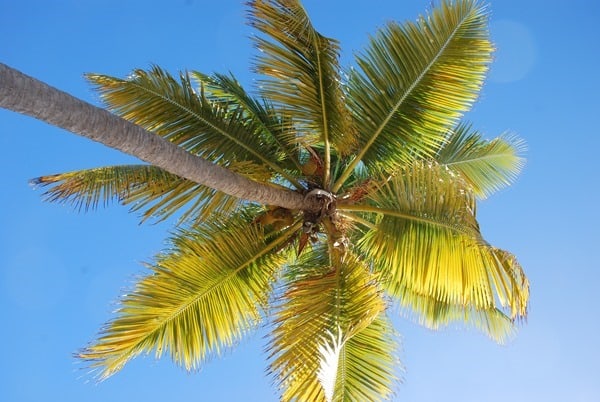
(26, 95)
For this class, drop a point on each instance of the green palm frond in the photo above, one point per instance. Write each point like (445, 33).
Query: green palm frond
(415, 82)
(274, 128)
(425, 238)
(487, 165)
(202, 296)
(150, 189)
(303, 70)
(173, 109)
(322, 308)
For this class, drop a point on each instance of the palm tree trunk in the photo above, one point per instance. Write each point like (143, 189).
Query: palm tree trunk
(23, 94)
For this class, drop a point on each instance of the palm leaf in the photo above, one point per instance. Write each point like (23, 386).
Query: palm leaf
(435, 314)
(173, 109)
(322, 308)
(424, 237)
(302, 66)
(150, 189)
(415, 82)
(202, 296)
(487, 165)
(367, 371)
(272, 127)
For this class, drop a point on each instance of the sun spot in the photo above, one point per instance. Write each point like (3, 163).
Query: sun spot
(516, 51)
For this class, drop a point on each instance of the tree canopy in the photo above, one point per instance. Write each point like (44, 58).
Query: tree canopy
(378, 177)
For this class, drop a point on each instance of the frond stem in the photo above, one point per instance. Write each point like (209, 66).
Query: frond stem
(327, 151)
(358, 219)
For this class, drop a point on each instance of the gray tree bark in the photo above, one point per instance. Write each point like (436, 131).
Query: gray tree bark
(26, 95)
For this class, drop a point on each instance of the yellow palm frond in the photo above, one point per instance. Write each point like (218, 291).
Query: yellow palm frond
(424, 237)
(415, 81)
(435, 314)
(202, 296)
(369, 362)
(303, 70)
(150, 189)
(322, 309)
(487, 165)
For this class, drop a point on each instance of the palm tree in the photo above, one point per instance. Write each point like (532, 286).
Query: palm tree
(313, 206)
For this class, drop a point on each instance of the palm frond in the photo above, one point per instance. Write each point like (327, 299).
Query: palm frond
(415, 82)
(173, 109)
(425, 238)
(303, 70)
(155, 192)
(273, 128)
(432, 313)
(487, 165)
(202, 296)
(368, 371)
(321, 304)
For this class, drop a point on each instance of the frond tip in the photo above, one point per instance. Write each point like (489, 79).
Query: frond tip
(150, 189)
(486, 165)
(329, 351)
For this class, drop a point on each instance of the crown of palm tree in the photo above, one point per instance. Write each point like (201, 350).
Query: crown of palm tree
(394, 175)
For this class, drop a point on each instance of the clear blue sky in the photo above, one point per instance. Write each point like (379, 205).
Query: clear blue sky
(61, 271)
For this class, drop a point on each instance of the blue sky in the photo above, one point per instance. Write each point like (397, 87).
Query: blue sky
(62, 271)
